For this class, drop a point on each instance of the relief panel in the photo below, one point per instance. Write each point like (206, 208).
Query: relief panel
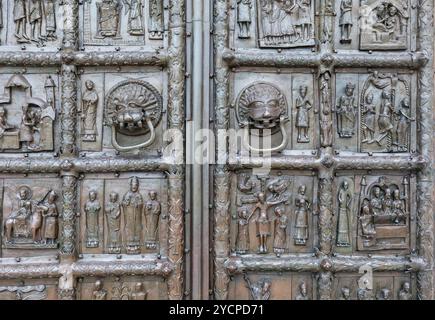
(31, 24)
(30, 217)
(121, 112)
(122, 288)
(375, 25)
(374, 213)
(388, 286)
(279, 109)
(122, 22)
(29, 290)
(268, 286)
(273, 23)
(28, 112)
(375, 112)
(123, 215)
(273, 214)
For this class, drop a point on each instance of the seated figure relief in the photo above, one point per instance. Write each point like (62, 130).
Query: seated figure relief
(384, 25)
(33, 223)
(384, 214)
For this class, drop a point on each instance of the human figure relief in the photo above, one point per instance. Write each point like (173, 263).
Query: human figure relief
(139, 293)
(244, 18)
(113, 218)
(20, 20)
(50, 216)
(108, 18)
(135, 17)
(242, 242)
(387, 203)
(280, 237)
(344, 212)
(152, 215)
(50, 19)
(303, 106)
(17, 224)
(263, 222)
(384, 294)
(304, 18)
(346, 22)
(369, 113)
(259, 290)
(405, 291)
(366, 220)
(35, 21)
(403, 124)
(132, 209)
(364, 294)
(92, 209)
(29, 125)
(345, 294)
(99, 292)
(346, 112)
(155, 27)
(89, 112)
(301, 221)
(303, 292)
(398, 207)
(385, 116)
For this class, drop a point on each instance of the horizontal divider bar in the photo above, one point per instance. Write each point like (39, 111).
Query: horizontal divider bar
(259, 58)
(80, 58)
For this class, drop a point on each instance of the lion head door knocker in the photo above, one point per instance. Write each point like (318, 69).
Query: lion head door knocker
(133, 108)
(262, 106)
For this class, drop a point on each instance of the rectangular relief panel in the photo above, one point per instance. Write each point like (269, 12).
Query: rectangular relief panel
(41, 289)
(375, 112)
(375, 213)
(29, 110)
(273, 213)
(273, 24)
(122, 288)
(122, 23)
(276, 108)
(31, 25)
(377, 286)
(270, 286)
(125, 214)
(122, 110)
(31, 216)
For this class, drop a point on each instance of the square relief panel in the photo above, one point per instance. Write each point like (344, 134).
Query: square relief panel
(122, 288)
(125, 23)
(375, 213)
(375, 112)
(267, 286)
(36, 24)
(273, 23)
(30, 216)
(275, 109)
(29, 104)
(375, 25)
(369, 286)
(123, 215)
(29, 289)
(122, 111)
(273, 213)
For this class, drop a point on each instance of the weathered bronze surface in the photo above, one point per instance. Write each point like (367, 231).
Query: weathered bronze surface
(320, 184)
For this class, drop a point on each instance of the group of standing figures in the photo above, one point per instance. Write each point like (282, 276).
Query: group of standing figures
(36, 14)
(132, 207)
(258, 211)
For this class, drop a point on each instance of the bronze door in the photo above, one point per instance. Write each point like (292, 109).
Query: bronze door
(318, 184)
(92, 206)
(327, 192)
